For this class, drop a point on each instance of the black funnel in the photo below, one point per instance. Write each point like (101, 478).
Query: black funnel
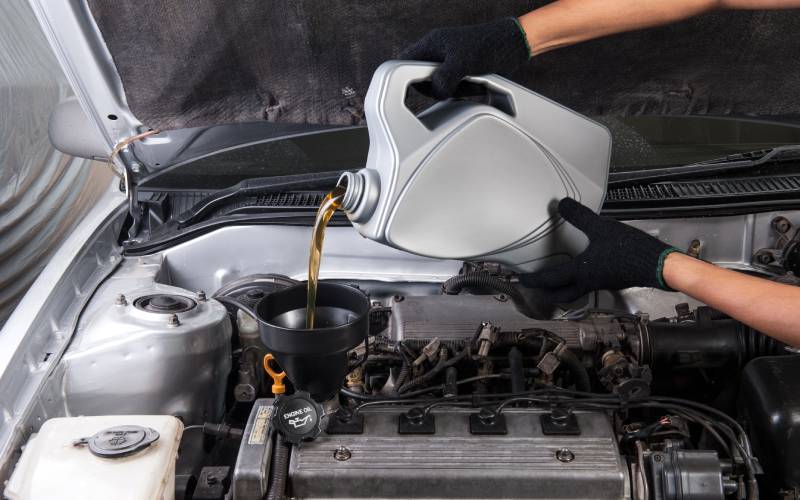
(314, 360)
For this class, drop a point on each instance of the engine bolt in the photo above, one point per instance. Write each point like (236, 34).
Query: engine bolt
(781, 224)
(342, 454)
(173, 320)
(201, 295)
(764, 257)
(565, 455)
(415, 416)
(344, 415)
(121, 300)
(559, 417)
(487, 416)
(694, 249)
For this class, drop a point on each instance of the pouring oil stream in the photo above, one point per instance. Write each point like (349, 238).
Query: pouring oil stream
(330, 203)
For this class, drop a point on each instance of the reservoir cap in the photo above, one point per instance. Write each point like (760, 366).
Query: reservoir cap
(119, 441)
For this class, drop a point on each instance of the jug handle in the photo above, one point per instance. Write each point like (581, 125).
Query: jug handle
(393, 78)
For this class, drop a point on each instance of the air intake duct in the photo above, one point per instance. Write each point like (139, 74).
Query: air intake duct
(709, 341)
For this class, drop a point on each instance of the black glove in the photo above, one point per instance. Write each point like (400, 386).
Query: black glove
(496, 47)
(618, 256)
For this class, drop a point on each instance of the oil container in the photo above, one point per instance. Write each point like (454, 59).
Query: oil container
(474, 179)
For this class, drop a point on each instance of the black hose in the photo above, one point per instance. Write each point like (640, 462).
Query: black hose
(450, 382)
(705, 344)
(419, 392)
(531, 302)
(579, 374)
(405, 371)
(279, 470)
(517, 370)
(233, 304)
(442, 365)
(483, 281)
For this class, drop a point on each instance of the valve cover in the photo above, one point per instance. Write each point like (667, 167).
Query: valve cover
(453, 463)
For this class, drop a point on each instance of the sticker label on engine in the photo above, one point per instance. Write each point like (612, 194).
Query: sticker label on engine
(260, 426)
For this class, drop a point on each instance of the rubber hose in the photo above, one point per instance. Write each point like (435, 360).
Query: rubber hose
(705, 344)
(450, 382)
(517, 370)
(754, 344)
(579, 373)
(443, 364)
(280, 469)
(402, 377)
(530, 302)
(484, 281)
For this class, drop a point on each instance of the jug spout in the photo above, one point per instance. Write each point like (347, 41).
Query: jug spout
(362, 189)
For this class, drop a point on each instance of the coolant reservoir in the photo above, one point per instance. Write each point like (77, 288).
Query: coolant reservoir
(474, 180)
(120, 457)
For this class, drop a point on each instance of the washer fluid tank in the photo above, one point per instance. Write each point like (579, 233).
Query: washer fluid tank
(474, 180)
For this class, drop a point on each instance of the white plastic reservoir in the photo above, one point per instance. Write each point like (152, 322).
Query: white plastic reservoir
(52, 466)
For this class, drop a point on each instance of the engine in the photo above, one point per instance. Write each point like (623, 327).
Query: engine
(462, 396)
(428, 394)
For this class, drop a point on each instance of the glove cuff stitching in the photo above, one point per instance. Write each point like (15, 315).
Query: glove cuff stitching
(660, 268)
(524, 37)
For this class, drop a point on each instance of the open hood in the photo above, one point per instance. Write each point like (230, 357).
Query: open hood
(212, 75)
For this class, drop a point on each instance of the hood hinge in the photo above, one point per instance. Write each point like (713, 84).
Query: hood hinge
(127, 182)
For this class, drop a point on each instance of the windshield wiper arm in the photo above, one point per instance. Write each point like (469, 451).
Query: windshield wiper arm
(724, 165)
(254, 187)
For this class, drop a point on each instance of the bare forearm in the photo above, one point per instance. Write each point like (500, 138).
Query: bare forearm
(567, 22)
(769, 307)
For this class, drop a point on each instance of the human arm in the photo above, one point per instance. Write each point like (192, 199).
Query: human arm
(567, 22)
(503, 45)
(621, 256)
(769, 307)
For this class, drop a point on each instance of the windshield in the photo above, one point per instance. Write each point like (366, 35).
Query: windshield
(662, 141)
(638, 142)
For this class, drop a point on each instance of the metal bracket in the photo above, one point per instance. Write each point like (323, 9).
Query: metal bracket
(487, 423)
(345, 422)
(784, 256)
(415, 421)
(559, 422)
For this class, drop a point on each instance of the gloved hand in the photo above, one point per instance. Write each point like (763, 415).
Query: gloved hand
(618, 256)
(499, 46)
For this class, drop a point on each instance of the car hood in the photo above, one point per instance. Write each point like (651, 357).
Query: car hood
(212, 75)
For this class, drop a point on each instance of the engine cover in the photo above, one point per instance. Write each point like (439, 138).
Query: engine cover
(455, 317)
(453, 463)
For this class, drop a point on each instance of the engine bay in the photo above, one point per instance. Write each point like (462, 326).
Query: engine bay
(453, 392)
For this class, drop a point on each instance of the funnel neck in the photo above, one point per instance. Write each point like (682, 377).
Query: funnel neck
(314, 360)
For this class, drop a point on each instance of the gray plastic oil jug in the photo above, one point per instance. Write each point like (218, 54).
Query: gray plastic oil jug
(474, 180)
